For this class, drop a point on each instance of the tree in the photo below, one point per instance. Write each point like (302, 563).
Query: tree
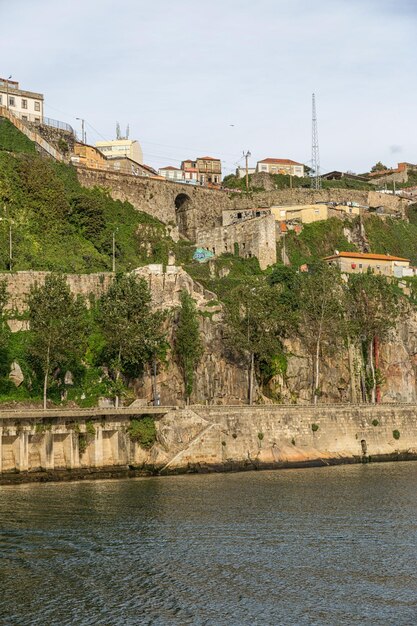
(320, 316)
(58, 326)
(131, 330)
(373, 306)
(378, 167)
(187, 343)
(4, 329)
(257, 318)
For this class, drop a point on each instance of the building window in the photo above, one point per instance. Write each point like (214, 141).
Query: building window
(258, 214)
(11, 102)
(24, 103)
(239, 216)
(37, 106)
(25, 117)
(0, 100)
(37, 119)
(360, 265)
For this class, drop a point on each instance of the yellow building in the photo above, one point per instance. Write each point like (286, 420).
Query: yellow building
(129, 148)
(358, 263)
(308, 213)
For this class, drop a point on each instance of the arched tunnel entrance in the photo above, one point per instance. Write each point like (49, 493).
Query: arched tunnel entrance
(185, 216)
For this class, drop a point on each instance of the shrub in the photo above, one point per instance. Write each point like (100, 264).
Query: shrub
(396, 434)
(223, 443)
(143, 431)
(314, 427)
(293, 441)
(260, 436)
(375, 422)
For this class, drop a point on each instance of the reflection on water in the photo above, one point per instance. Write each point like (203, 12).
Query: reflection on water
(315, 546)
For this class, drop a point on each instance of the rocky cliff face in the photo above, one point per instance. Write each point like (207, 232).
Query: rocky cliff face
(221, 378)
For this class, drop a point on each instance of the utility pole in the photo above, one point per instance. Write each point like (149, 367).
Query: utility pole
(82, 128)
(247, 155)
(10, 247)
(315, 155)
(114, 253)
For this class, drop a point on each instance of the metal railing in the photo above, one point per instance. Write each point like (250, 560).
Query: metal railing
(39, 120)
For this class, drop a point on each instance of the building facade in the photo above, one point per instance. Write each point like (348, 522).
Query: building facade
(358, 263)
(171, 173)
(129, 148)
(280, 166)
(209, 171)
(27, 105)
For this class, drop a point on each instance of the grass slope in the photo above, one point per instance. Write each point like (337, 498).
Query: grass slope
(59, 225)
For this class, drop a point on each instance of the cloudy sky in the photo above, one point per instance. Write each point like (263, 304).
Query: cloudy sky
(222, 76)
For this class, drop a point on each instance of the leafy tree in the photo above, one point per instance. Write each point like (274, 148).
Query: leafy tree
(4, 329)
(257, 318)
(58, 326)
(320, 316)
(187, 344)
(373, 306)
(378, 167)
(131, 330)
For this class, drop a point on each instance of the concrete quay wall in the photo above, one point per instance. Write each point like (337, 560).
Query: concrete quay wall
(72, 445)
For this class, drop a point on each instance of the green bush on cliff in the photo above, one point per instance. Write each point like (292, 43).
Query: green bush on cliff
(143, 431)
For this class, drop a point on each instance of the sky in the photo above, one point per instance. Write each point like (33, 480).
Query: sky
(221, 77)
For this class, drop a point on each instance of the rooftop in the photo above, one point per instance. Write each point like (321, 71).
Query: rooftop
(207, 158)
(170, 167)
(363, 255)
(280, 161)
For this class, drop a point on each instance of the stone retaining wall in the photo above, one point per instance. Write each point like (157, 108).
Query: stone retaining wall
(199, 439)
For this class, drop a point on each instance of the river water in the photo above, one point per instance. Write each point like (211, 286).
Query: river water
(334, 545)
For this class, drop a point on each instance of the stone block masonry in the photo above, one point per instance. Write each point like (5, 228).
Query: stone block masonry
(65, 445)
(250, 238)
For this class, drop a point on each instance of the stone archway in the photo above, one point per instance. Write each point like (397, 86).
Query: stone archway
(184, 215)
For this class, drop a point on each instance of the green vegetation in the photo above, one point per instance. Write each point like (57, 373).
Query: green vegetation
(143, 431)
(396, 434)
(314, 427)
(131, 331)
(224, 273)
(12, 140)
(60, 226)
(375, 422)
(58, 328)
(260, 436)
(316, 241)
(393, 236)
(188, 347)
(282, 181)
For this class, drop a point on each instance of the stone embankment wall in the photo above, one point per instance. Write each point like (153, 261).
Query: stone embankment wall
(285, 197)
(254, 238)
(161, 199)
(56, 446)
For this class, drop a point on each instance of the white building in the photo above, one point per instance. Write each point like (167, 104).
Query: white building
(129, 148)
(27, 105)
(171, 173)
(280, 166)
(241, 171)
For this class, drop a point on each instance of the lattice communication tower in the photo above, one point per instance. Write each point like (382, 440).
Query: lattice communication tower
(315, 154)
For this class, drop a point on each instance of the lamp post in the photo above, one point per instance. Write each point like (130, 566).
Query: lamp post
(82, 128)
(7, 92)
(247, 155)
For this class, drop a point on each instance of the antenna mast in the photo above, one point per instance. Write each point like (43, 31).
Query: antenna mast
(315, 155)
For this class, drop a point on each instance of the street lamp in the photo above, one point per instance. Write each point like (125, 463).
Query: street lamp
(82, 128)
(7, 91)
